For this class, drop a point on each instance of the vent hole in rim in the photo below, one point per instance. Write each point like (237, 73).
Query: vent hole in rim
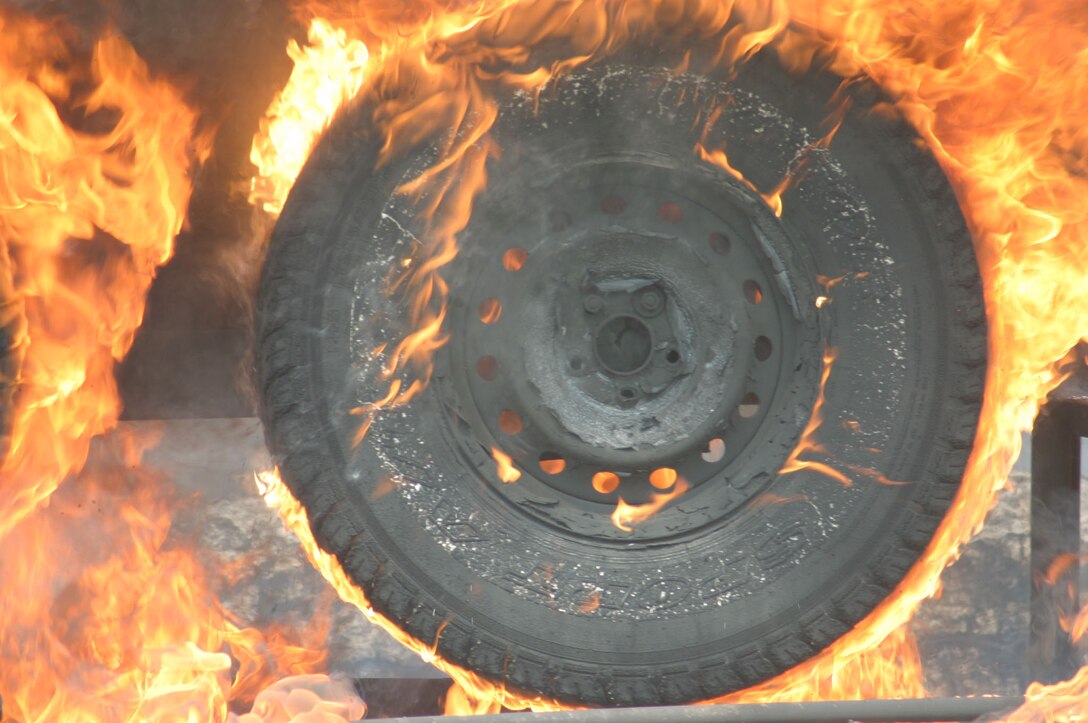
(663, 478)
(551, 463)
(606, 482)
(763, 348)
(752, 291)
(749, 405)
(720, 244)
(510, 422)
(514, 258)
(490, 310)
(715, 450)
(488, 368)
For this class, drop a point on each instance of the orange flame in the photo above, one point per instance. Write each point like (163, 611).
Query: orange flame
(328, 72)
(504, 466)
(108, 622)
(997, 90)
(64, 193)
(807, 442)
(625, 516)
(279, 498)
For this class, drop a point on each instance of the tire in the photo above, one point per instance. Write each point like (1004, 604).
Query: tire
(752, 570)
(12, 321)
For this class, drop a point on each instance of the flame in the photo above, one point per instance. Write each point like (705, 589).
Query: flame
(65, 195)
(716, 157)
(102, 619)
(996, 90)
(328, 72)
(276, 495)
(626, 515)
(504, 466)
(304, 698)
(807, 442)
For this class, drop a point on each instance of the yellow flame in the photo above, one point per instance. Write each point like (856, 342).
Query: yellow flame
(504, 466)
(328, 72)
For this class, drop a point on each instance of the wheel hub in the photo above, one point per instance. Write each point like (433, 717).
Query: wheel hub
(641, 337)
(623, 340)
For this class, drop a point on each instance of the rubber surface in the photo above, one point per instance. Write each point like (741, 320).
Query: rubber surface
(747, 590)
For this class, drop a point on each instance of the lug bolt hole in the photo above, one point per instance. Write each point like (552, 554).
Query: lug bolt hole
(577, 364)
(627, 393)
(649, 301)
(551, 463)
(672, 357)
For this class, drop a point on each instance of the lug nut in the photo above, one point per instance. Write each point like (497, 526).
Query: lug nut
(593, 304)
(649, 301)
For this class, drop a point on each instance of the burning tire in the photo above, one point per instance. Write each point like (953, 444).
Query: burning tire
(11, 351)
(732, 432)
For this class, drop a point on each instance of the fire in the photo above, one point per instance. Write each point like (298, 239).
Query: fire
(63, 191)
(504, 466)
(328, 72)
(997, 90)
(467, 685)
(101, 619)
(625, 516)
(808, 442)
